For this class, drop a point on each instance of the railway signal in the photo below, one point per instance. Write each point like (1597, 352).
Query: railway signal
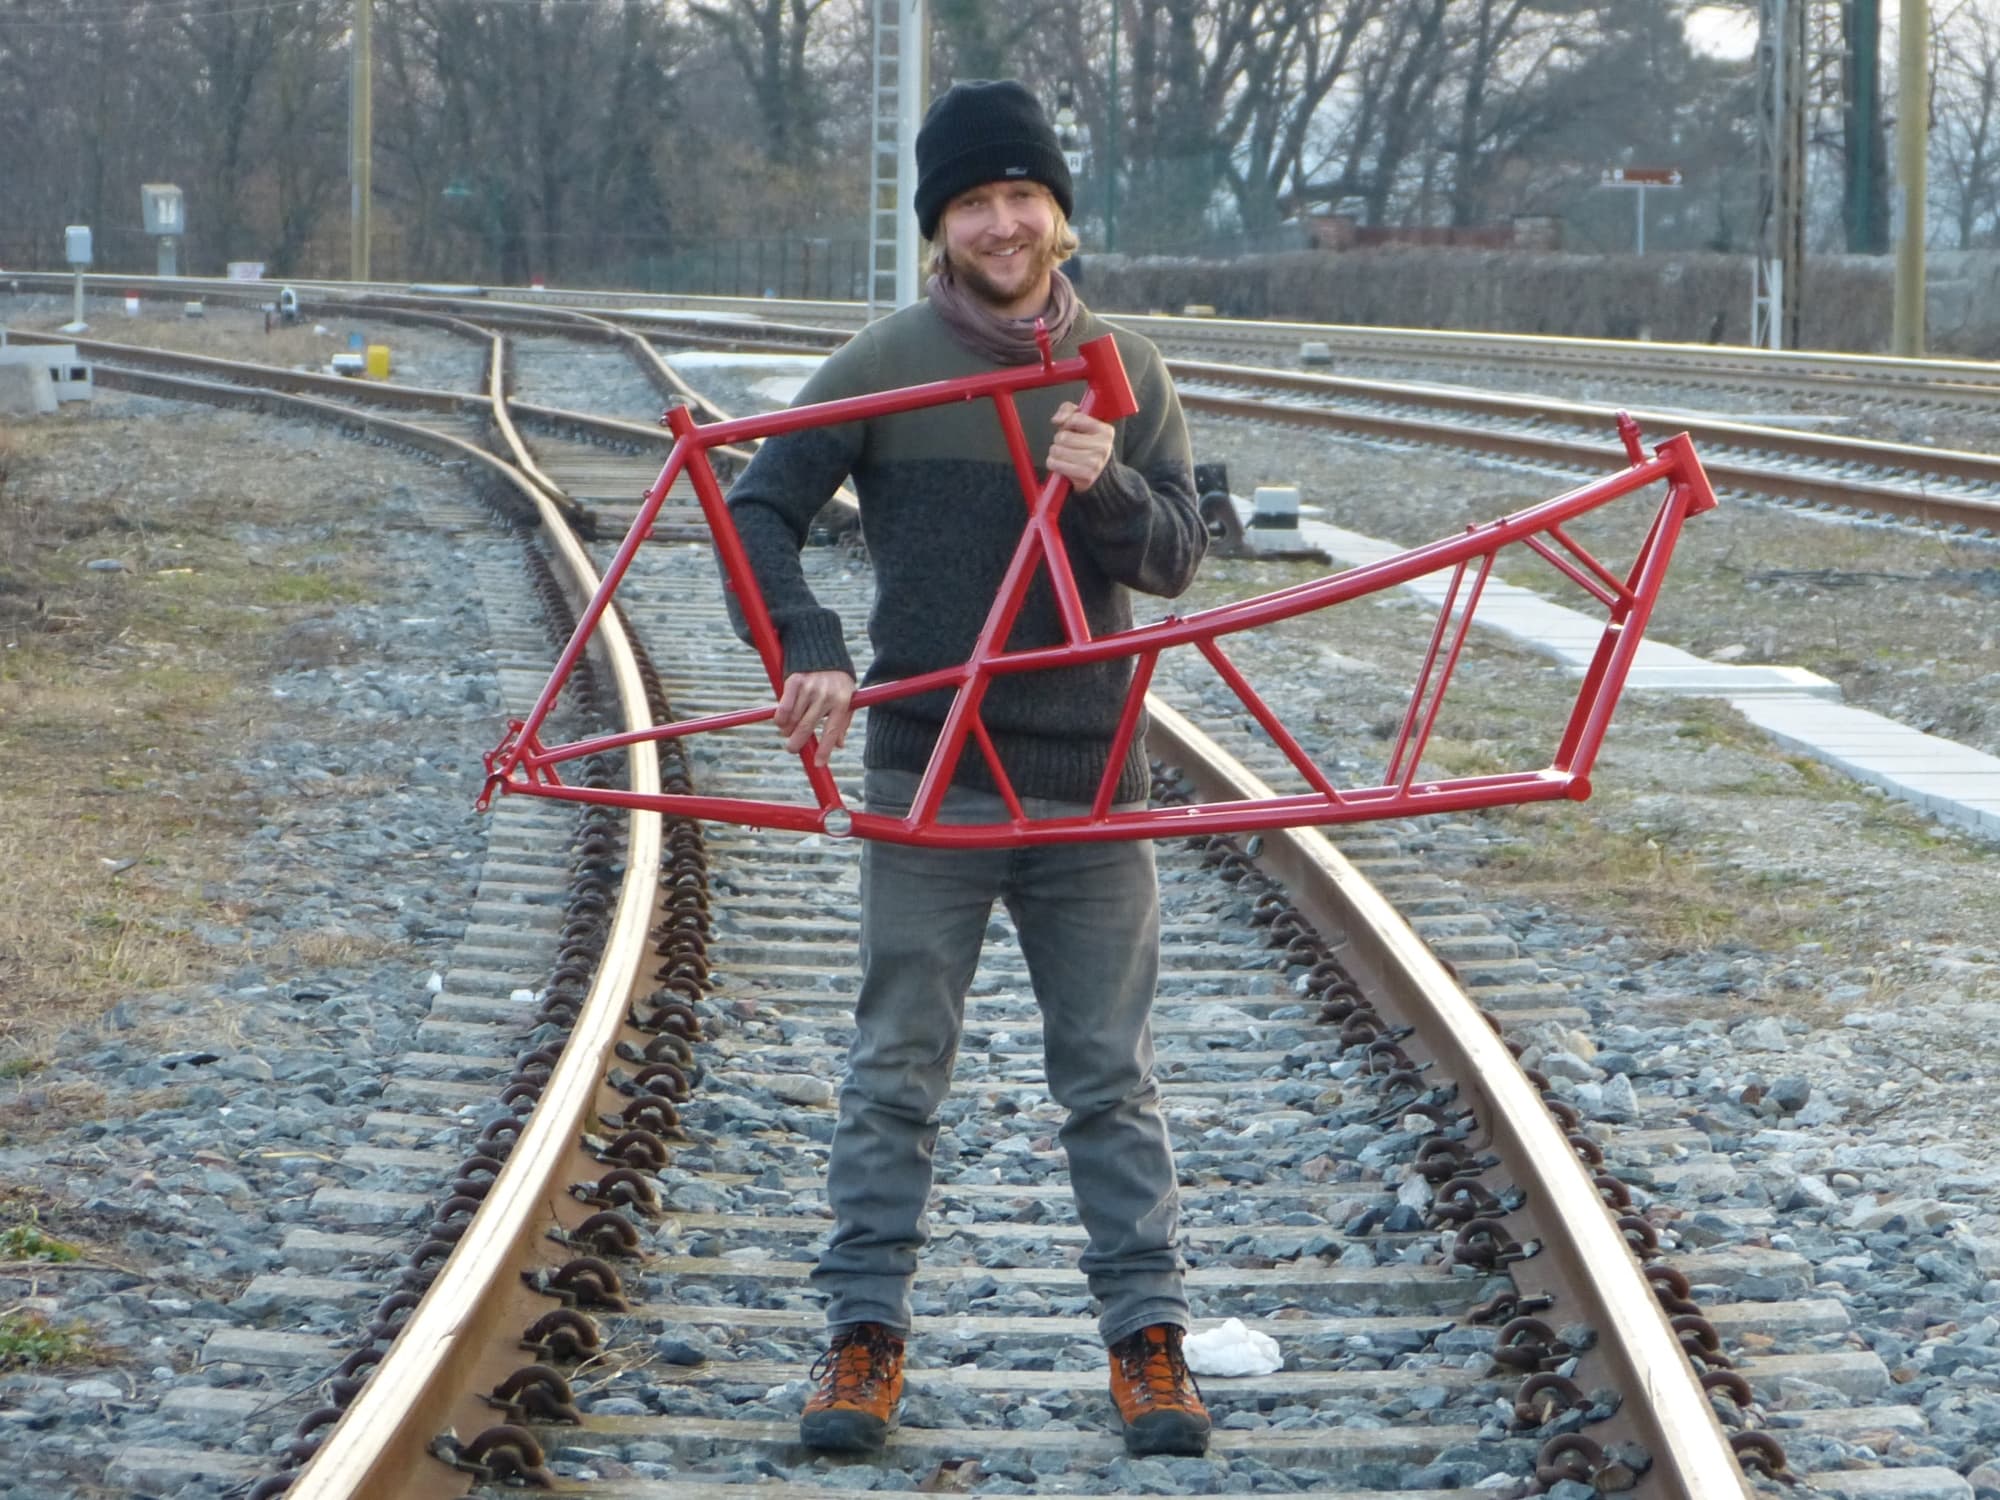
(1639, 179)
(160, 205)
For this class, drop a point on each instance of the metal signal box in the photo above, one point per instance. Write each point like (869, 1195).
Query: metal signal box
(76, 244)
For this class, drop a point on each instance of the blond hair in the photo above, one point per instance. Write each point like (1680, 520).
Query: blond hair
(1066, 242)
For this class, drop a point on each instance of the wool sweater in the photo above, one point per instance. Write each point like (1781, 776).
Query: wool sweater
(942, 513)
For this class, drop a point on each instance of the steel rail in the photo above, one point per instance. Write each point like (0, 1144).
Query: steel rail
(1665, 1407)
(1928, 378)
(496, 401)
(424, 1385)
(452, 1344)
(266, 377)
(1712, 433)
(186, 387)
(1862, 496)
(1832, 493)
(249, 376)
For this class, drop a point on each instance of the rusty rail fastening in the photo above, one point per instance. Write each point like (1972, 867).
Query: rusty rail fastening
(1471, 1213)
(1730, 1395)
(667, 1073)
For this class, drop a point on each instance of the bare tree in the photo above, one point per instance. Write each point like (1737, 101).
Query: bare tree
(1294, 62)
(302, 163)
(79, 89)
(525, 135)
(1405, 79)
(1506, 50)
(977, 39)
(231, 51)
(770, 41)
(1966, 132)
(1188, 58)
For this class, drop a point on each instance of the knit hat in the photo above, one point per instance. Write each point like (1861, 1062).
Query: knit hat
(985, 132)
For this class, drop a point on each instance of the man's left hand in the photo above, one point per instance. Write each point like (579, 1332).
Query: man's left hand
(1082, 447)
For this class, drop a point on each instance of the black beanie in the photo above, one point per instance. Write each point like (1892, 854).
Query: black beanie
(985, 132)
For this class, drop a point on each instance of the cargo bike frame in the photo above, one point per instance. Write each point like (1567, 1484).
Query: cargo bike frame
(524, 764)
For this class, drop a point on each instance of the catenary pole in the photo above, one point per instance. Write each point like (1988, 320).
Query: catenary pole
(1111, 140)
(1913, 104)
(360, 144)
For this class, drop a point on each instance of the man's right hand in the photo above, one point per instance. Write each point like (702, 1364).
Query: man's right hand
(813, 699)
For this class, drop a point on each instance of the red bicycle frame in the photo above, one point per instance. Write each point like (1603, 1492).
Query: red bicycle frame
(523, 764)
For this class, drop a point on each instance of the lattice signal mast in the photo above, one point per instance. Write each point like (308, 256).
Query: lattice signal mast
(901, 52)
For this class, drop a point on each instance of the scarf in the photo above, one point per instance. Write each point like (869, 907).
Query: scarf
(1006, 341)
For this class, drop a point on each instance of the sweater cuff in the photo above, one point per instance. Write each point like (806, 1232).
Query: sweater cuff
(814, 642)
(1120, 493)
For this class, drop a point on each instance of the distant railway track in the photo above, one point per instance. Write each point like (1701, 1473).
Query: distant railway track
(1490, 1217)
(1955, 490)
(1262, 342)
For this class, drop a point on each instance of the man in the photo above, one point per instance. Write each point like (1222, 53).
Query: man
(942, 511)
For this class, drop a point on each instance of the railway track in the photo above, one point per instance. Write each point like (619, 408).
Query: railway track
(1371, 1179)
(1864, 479)
(1843, 377)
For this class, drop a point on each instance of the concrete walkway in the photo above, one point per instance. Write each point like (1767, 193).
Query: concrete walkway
(1799, 709)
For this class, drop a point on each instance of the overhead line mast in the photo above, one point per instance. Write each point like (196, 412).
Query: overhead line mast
(1913, 112)
(1779, 274)
(361, 143)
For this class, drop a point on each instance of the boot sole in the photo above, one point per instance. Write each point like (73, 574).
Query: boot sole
(843, 1432)
(1167, 1432)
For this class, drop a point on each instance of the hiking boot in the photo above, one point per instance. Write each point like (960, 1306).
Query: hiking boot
(860, 1381)
(1155, 1394)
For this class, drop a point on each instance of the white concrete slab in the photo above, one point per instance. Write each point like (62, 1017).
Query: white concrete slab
(1797, 708)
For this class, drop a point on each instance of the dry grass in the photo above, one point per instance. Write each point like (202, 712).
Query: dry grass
(30, 1111)
(123, 698)
(334, 949)
(1663, 891)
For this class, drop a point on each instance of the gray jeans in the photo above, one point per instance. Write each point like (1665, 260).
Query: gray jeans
(1089, 922)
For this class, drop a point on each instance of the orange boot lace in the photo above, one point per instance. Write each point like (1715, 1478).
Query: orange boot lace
(1156, 1394)
(861, 1372)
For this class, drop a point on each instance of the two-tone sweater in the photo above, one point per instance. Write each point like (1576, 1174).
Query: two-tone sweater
(942, 513)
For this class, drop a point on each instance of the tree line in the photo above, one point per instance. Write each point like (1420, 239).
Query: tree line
(580, 139)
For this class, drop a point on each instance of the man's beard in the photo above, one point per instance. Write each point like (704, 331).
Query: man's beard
(1042, 258)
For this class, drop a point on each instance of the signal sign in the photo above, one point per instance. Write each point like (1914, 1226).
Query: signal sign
(1642, 177)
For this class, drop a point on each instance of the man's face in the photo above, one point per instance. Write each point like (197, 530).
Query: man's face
(1000, 239)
